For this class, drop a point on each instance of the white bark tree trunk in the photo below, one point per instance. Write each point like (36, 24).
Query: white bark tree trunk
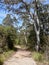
(25, 38)
(37, 30)
(36, 23)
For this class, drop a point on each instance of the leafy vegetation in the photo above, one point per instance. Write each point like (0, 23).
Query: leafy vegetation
(5, 55)
(37, 56)
(34, 31)
(7, 42)
(8, 36)
(1, 61)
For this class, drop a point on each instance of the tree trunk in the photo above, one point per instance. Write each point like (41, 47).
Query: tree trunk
(37, 26)
(37, 30)
(25, 38)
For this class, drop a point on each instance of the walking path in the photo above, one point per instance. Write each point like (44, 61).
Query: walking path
(21, 57)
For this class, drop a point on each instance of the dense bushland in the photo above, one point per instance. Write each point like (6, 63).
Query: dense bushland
(7, 37)
(35, 14)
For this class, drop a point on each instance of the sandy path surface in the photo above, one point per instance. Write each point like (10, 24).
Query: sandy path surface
(21, 57)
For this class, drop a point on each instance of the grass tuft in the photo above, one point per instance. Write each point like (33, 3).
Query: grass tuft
(37, 56)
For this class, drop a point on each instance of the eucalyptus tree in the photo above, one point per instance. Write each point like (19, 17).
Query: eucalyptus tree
(34, 9)
(8, 20)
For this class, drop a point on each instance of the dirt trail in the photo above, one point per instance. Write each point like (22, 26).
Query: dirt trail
(21, 57)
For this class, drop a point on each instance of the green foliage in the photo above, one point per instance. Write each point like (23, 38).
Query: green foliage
(7, 37)
(2, 37)
(32, 40)
(17, 41)
(37, 56)
(44, 41)
(1, 61)
(8, 34)
(5, 56)
(11, 36)
(8, 20)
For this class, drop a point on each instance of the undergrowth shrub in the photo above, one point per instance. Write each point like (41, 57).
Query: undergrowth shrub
(37, 56)
(1, 61)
